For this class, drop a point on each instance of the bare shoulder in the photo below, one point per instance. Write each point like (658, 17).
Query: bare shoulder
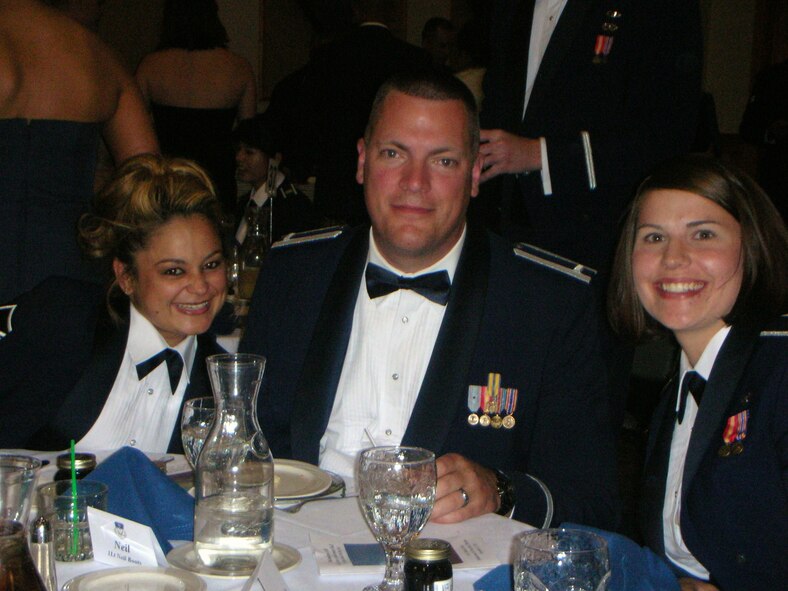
(64, 71)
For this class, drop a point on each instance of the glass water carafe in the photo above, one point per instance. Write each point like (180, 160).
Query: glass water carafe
(233, 516)
(17, 571)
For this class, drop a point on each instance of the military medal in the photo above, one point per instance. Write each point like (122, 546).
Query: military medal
(604, 41)
(495, 403)
(474, 396)
(511, 405)
(487, 404)
(734, 434)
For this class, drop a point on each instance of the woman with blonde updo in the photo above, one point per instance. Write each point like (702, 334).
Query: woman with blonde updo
(113, 368)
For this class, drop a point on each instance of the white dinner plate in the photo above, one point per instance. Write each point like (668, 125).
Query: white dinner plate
(298, 480)
(285, 557)
(135, 578)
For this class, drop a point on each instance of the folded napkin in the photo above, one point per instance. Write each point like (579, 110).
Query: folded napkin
(634, 568)
(139, 491)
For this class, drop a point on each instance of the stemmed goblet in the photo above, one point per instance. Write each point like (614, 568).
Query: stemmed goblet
(396, 492)
(196, 421)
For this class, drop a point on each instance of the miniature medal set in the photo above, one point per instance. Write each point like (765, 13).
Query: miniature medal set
(491, 405)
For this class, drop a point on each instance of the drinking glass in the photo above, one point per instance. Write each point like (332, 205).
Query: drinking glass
(396, 493)
(560, 560)
(18, 476)
(68, 514)
(196, 421)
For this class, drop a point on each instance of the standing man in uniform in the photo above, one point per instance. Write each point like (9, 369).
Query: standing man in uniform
(426, 330)
(582, 98)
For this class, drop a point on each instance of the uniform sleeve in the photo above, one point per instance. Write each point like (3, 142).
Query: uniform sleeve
(571, 465)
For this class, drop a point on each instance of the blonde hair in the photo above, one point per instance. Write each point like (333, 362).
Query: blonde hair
(145, 193)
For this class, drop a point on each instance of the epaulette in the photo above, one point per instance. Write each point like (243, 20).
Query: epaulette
(778, 328)
(309, 236)
(6, 313)
(548, 259)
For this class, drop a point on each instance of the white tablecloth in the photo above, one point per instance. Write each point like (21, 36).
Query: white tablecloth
(343, 517)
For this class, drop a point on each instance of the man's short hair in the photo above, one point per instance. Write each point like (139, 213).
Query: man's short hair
(430, 85)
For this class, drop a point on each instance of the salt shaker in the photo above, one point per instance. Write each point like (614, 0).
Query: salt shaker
(42, 550)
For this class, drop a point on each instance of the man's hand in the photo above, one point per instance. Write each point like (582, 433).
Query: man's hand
(507, 153)
(456, 472)
(689, 584)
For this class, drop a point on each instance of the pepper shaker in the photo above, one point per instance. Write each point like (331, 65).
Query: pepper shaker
(42, 549)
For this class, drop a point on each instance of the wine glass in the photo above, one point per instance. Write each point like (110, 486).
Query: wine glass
(396, 493)
(560, 560)
(196, 421)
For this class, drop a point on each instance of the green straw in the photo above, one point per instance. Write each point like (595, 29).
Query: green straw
(74, 515)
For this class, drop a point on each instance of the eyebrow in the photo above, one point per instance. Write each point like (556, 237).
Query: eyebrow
(692, 224)
(182, 261)
(433, 152)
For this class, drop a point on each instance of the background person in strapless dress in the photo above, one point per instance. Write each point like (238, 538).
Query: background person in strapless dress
(60, 88)
(196, 89)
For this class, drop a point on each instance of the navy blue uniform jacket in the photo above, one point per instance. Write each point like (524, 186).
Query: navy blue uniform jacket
(535, 326)
(734, 508)
(58, 361)
(638, 105)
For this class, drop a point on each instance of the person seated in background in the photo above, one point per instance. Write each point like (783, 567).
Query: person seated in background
(110, 368)
(704, 257)
(197, 89)
(286, 208)
(61, 88)
(437, 39)
(424, 330)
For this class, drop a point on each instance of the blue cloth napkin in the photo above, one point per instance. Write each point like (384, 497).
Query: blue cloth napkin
(139, 491)
(634, 568)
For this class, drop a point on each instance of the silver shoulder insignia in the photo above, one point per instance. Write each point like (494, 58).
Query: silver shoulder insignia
(6, 313)
(778, 328)
(309, 236)
(548, 259)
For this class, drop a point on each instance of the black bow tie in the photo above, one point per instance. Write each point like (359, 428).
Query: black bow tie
(433, 286)
(174, 366)
(693, 383)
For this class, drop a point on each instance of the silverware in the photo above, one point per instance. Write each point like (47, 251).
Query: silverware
(337, 486)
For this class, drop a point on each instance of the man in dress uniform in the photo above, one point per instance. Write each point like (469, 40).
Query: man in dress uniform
(425, 330)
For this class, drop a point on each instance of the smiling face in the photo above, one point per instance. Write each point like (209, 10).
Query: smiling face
(179, 282)
(419, 174)
(687, 265)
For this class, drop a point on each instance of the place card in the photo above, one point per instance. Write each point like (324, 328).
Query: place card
(266, 577)
(123, 542)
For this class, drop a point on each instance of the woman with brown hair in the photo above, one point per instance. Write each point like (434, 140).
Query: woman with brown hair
(113, 368)
(704, 257)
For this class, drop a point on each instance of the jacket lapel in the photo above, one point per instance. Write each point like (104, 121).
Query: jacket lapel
(569, 26)
(325, 358)
(82, 406)
(446, 380)
(720, 389)
(199, 385)
(656, 465)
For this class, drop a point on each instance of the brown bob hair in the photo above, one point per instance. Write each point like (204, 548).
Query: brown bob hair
(764, 289)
